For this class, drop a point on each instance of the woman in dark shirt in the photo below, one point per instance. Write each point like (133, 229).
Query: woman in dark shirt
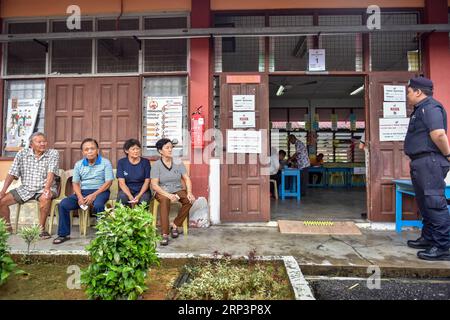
(133, 173)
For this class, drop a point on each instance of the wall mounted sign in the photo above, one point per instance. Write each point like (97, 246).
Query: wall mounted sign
(393, 129)
(243, 141)
(394, 93)
(394, 110)
(317, 60)
(243, 102)
(20, 121)
(244, 119)
(164, 119)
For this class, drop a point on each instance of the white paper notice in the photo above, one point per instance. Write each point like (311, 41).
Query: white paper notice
(164, 119)
(394, 93)
(394, 110)
(243, 102)
(393, 129)
(317, 60)
(240, 141)
(244, 119)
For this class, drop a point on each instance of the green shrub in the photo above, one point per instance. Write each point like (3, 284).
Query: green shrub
(121, 254)
(223, 280)
(7, 265)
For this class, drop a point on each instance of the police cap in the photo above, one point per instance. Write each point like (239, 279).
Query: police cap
(421, 83)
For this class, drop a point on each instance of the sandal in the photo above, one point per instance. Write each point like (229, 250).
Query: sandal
(174, 232)
(59, 239)
(45, 235)
(164, 241)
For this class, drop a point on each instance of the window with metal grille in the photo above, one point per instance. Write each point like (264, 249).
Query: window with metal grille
(290, 53)
(26, 57)
(168, 54)
(117, 55)
(395, 51)
(71, 56)
(342, 52)
(22, 89)
(154, 87)
(239, 54)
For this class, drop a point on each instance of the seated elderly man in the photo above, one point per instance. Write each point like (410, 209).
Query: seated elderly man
(37, 167)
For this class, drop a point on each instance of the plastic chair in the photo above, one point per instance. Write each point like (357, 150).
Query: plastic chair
(19, 207)
(155, 216)
(55, 208)
(55, 202)
(61, 175)
(275, 188)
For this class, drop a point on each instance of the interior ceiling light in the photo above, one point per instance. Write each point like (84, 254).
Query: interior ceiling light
(357, 91)
(280, 91)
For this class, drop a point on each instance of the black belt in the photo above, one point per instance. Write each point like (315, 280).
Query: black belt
(421, 155)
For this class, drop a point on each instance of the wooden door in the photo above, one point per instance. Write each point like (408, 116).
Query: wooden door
(387, 160)
(106, 109)
(245, 195)
(116, 114)
(68, 116)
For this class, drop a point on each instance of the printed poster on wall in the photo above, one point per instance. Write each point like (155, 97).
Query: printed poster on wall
(243, 102)
(317, 60)
(164, 119)
(243, 141)
(394, 109)
(20, 121)
(394, 93)
(393, 129)
(244, 119)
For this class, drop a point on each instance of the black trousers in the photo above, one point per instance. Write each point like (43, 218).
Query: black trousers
(427, 175)
(304, 176)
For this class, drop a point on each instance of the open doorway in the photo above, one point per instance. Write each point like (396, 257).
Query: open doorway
(326, 113)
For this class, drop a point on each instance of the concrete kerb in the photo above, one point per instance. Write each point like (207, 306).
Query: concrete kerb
(300, 286)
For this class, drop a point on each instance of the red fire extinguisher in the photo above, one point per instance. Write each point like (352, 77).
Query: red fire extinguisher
(197, 128)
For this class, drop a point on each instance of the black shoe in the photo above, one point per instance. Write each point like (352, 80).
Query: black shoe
(434, 254)
(420, 243)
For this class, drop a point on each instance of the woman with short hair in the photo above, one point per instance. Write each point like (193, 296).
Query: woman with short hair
(133, 173)
(166, 180)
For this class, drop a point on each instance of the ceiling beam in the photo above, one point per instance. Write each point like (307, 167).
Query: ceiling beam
(224, 32)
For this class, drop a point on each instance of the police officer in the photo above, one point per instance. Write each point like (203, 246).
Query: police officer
(427, 146)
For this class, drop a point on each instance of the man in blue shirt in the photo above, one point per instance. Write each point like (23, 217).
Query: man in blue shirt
(427, 146)
(92, 178)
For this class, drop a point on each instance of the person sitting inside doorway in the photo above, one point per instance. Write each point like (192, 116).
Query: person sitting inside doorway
(274, 169)
(37, 168)
(92, 178)
(282, 164)
(166, 176)
(316, 161)
(133, 173)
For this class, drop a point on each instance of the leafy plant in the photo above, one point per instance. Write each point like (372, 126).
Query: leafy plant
(30, 235)
(7, 265)
(121, 253)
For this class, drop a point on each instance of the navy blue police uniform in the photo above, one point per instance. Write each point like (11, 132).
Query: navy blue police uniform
(429, 167)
